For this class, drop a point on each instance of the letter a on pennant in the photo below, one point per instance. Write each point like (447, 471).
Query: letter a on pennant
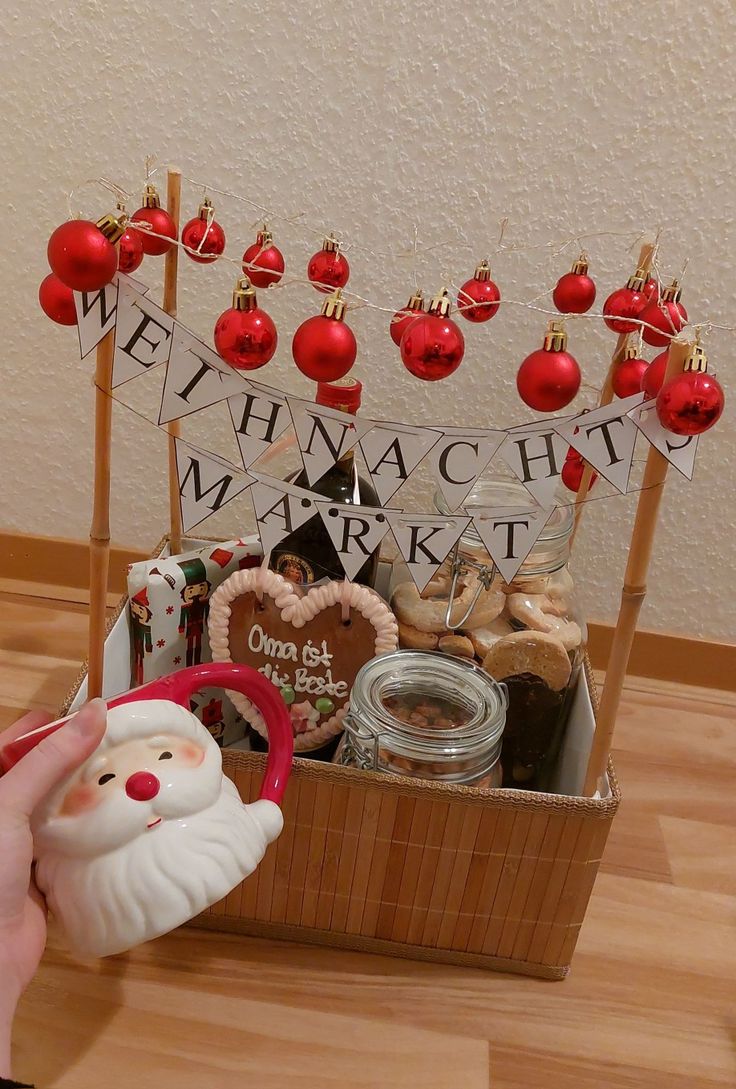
(392, 452)
(207, 483)
(509, 534)
(356, 532)
(280, 509)
(425, 541)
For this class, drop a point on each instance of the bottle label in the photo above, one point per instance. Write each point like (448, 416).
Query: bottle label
(294, 568)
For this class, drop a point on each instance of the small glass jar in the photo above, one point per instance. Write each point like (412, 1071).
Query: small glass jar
(426, 716)
(529, 633)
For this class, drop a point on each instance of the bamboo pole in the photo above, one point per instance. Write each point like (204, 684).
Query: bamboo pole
(646, 256)
(632, 595)
(99, 534)
(171, 268)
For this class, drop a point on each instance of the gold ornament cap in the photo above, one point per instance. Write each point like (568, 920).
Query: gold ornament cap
(482, 272)
(264, 236)
(205, 209)
(151, 199)
(637, 281)
(416, 301)
(441, 304)
(244, 295)
(331, 244)
(696, 359)
(580, 267)
(113, 225)
(629, 352)
(672, 292)
(334, 305)
(555, 339)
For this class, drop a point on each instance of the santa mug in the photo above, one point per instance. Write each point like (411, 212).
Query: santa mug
(149, 832)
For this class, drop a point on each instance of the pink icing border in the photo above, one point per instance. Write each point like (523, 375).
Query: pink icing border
(297, 611)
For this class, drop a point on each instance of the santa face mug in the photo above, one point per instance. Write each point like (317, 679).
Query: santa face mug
(149, 832)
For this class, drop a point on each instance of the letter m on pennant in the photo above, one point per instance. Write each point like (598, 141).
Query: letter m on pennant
(206, 483)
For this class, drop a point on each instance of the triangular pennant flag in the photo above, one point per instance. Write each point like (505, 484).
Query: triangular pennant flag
(142, 335)
(324, 435)
(459, 458)
(280, 508)
(680, 450)
(259, 417)
(425, 541)
(356, 532)
(606, 438)
(535, 453)
(509, 534)
(196, 377)
(96, 312)
(206, 483)
(392, 452)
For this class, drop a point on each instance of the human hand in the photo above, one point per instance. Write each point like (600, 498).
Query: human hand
(22, 908)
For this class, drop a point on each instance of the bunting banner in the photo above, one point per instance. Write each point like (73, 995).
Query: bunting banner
(259, 417)
(392, 452)
(142, 336)
(509, 534)
(459, 458)
(280, 509)
(680, 450)
(605, 438)
(535, 454)
(324, 435)
(425, 541)
(196, 377)
(356, 532)
(207, 483)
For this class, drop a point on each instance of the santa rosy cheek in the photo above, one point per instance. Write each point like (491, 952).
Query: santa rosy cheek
(191, 755)
(80, 799)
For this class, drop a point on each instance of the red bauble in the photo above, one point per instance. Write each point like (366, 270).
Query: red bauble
(479, 290)
(668, 316)
(690, 403)
(328, 269)
(433, 346)
(196, 230)
(245, 335)
(650, 290)
(130, 250)
(160, 221)
(620, 307)
(572, 473)
(653, 376)
(324, 346)
(575, 291)
(402, 319)
(82, 256)
(628, 376)
(263, 263)
(549, 378)
(57, 301)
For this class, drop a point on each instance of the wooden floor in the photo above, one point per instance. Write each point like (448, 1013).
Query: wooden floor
(650, 1002)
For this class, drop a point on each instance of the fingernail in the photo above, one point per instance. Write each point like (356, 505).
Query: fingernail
(89, 719)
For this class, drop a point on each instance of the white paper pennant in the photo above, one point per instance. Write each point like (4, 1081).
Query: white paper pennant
(425, 541)
(259, 417)
(509, 534)
(535, 453)
(280, 508)
(142, 338)
(206, 483)
(459, 458)
(606, 438)
(392, 452)
(356, 532)
(324, 435)
(95, 315)
(196, 377)
(680, 450)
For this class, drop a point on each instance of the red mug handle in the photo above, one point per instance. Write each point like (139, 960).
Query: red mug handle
(178, 688)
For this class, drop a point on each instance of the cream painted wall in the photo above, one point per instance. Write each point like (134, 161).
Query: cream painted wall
(564, 116)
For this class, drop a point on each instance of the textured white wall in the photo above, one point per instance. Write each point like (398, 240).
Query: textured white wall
(564, 116)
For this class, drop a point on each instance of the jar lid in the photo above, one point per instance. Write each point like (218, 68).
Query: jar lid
(423, 704)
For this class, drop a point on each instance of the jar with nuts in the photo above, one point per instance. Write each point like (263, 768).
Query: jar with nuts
(427, 716)
(529, 633)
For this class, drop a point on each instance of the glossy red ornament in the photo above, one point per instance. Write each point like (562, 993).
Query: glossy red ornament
(57, 301)
(626, 303)
(691, 402)
(653, 376)
(245, 335)
(263, 263)
(328, 269)
(160, 221)
(650, 290)
(572, 473)
(628, 374)
(196, 230)
(668, 316)
(82, 253)
(549, 378)
(402, 319)
(479, 290)
(324, 346)
(575, 291)
(130, 250)
(433, 346)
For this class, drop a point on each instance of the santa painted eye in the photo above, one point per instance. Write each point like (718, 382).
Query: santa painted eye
(165, 756)
(105, 778)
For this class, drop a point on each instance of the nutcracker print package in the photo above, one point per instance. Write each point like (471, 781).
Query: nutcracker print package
(169, 600)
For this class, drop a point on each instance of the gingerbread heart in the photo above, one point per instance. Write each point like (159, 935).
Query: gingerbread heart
(310, 646)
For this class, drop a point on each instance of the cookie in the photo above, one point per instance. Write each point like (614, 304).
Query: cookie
(534, 652)
(412, 639)
(459, 645)
(484, 638)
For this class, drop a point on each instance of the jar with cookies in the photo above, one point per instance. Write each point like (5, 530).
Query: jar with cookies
(528, 634)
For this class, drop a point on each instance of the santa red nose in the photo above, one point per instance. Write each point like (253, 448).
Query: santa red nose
(142, 786)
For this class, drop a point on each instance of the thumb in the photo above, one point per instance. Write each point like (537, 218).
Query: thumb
(32, 778)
